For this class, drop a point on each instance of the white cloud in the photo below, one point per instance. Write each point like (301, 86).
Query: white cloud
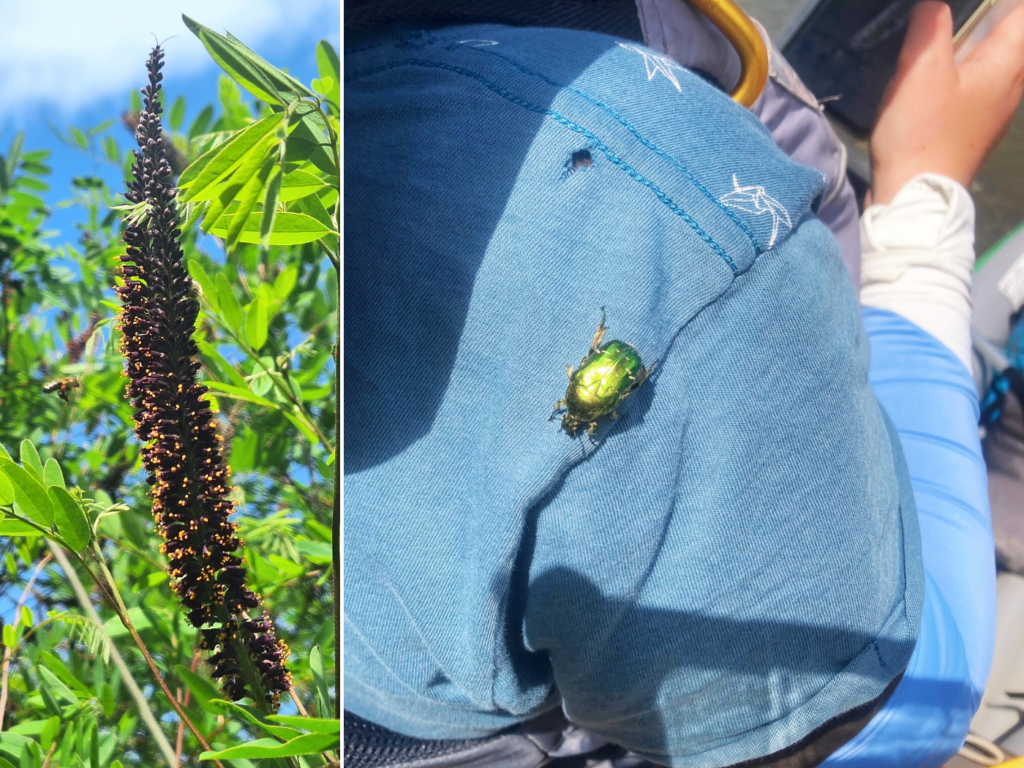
(70, 53)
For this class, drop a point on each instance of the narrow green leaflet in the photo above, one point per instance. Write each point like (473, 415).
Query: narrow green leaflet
(71, 521)
(289, 229)
(270, 200)
(30, 458)
(50, 730)
(329, 66)
(200, 124)
(241, 394)
(314, 724)
(308, 142)
(215, 165)
(203, 691)
(221, 365)
(309, 744)
(256, 323)
(229, 305)
(247, 197)
(58, 686)
(28, 493)
(52, 474)
(58, 668)
(316, 664)
(17, 528)
(206, 284)
(300, 183)
(6, 490)
(285, 282)
(255, 717)
(177, 115)
(301, 425)
(249, 70)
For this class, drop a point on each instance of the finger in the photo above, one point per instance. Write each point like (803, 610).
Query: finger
(927, 51)
(1002, 52)
(929, 36)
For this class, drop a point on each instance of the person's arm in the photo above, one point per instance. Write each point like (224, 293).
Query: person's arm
(938, 124)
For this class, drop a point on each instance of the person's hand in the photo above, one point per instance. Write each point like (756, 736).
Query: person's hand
(941, 118)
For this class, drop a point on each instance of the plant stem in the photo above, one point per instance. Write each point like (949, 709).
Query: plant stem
(133, 688)
(122, 613)
(181, 723)
(8, 652)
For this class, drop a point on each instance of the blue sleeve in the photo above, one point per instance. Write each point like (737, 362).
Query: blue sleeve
(931, 399)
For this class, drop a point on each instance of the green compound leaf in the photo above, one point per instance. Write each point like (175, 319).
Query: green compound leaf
(70, 518)
(261, 79)
(29, 493)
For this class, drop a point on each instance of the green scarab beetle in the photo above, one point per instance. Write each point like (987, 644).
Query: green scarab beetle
(609, 374)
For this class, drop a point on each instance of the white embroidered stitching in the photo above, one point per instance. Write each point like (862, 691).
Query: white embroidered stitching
(656, 64)
(757, 201)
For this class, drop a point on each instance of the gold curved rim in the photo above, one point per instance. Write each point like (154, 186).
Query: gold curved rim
(745, 37)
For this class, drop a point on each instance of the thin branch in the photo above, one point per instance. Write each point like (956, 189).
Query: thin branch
(8, 652)
(122, 613)
(181, 723)
(133, 688)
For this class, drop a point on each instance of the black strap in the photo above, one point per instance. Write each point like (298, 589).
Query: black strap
(368, 745)
(611, 17)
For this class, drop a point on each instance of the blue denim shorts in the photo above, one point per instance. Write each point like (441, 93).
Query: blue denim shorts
(737, 561)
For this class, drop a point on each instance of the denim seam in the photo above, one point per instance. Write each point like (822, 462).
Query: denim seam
(571, 125)
(636, 133)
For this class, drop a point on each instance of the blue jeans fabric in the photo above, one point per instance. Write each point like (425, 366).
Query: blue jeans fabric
(738, 561)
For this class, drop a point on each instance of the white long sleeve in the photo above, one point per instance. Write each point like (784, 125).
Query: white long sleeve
(917, 259)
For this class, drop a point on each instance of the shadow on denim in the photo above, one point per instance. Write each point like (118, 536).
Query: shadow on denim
(409, 185)
(624, 641)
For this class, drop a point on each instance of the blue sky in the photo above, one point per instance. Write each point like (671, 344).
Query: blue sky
(69, 62)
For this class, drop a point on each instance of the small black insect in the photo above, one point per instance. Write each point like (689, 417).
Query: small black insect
(579, 159)
(62, 386)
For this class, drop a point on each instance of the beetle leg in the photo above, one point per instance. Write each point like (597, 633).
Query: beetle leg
(568, 371)
(559, 405)
(591, 431)
(599, 333)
